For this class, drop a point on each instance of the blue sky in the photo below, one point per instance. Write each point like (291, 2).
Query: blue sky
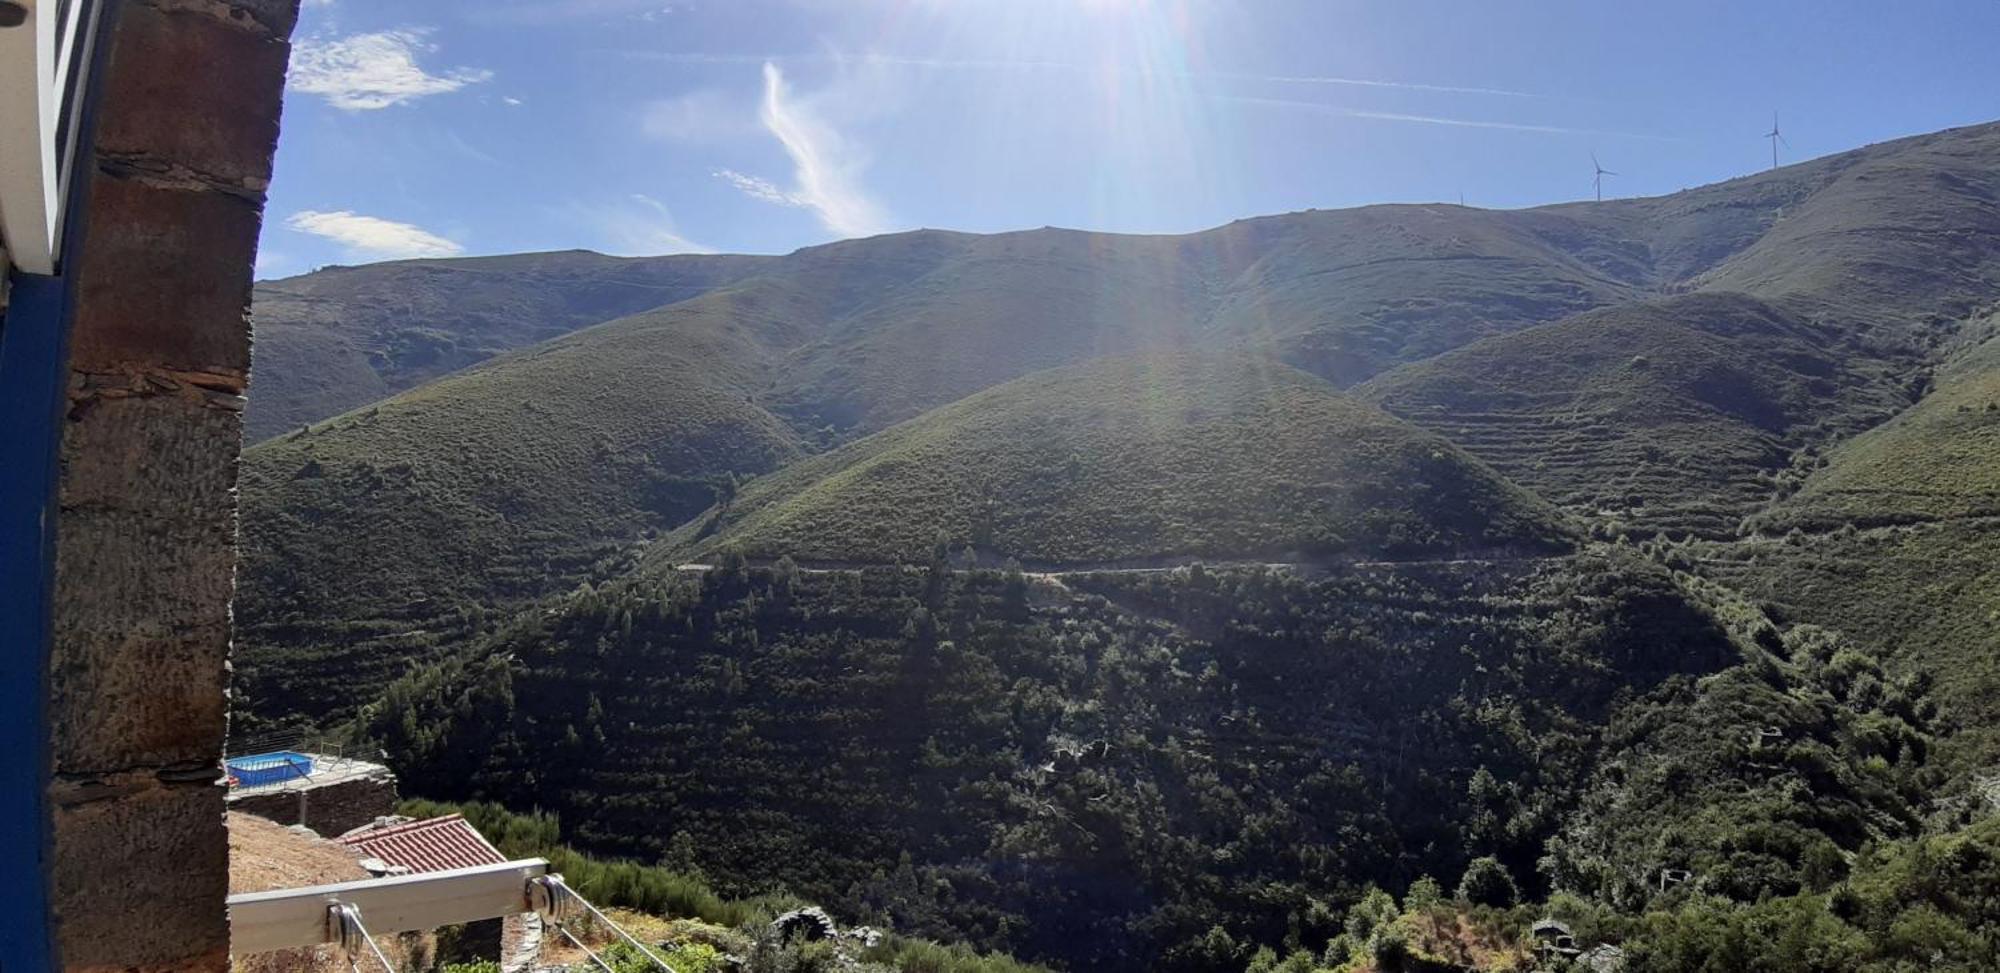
(656, 126)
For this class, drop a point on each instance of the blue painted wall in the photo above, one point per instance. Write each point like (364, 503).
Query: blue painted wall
(32, 368)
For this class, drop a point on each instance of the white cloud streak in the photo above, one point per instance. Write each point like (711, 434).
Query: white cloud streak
(824, 164)
(759, 188)
(1035, 64)
(1384, 116)
(364, 72)
(371, 237)
(637, 226)
(1371, 83)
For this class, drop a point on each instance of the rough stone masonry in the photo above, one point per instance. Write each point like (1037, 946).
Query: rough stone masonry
(174, 181)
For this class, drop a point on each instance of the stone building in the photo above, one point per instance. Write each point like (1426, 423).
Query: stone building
(136, 139)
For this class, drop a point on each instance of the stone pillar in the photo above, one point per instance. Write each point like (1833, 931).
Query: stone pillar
(186, 123)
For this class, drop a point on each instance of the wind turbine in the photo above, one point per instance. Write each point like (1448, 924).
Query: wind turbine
(1598, 181)
(1775, 138)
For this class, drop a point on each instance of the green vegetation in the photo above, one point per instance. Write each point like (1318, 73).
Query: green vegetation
(1917, 904)
(1137, 460)
(1743, 715)
(1105, 771)
(1891, 540)
(345, 336)
(667, 894)
(370, 537)
(1937, 460)
(1674, 415)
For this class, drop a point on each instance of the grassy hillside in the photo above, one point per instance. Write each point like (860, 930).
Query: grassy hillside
(1139, 459)
(544, 465)
(1752, 742)
(1894, 538)
(341, 337)
(1898, 243)
(1938, 460)
(369, 538)
(1676, 415)
(1346, 294)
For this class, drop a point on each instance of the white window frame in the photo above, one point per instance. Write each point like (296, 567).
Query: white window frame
(43, 61)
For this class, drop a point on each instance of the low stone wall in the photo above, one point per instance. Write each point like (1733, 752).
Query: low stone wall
(330, 810)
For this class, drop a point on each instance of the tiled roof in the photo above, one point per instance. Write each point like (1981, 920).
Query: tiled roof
(435, 845)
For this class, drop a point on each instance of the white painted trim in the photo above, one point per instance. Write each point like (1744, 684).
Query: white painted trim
(263, 921)
(35, 80)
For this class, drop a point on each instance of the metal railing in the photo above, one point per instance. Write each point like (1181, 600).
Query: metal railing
(350, 914)
(334, 758)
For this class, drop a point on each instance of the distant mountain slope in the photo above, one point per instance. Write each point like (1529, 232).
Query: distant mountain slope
(1140, 458)
(1896, 243)
(1346, 294)
(1341, 293)
(1939, 459)
(1895, 539)
(370, 537)
(341, 337)
(1671, 415)
(1626, 398)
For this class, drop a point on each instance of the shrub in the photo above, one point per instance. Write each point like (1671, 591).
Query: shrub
(1487, 882)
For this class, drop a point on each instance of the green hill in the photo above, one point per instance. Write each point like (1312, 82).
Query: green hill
(1757, 742)
(1093, 773)
(1895, 539)
(1673, 415)
(1548, 342)
(1937, 460)
(341, 337)
(1159, 771)
(1139, 459)
(372, 537)
(1896, 244)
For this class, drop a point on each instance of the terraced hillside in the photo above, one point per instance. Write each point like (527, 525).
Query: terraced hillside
(369, 538)
(1676, 415)
(1139, 459)
(1480, 691)
(1895, 539)
(341, 337)
(1089, 773)
(1560, 345)
(1937, 460)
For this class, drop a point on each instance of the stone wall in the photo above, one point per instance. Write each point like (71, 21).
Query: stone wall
(173, 193)
(330, 810)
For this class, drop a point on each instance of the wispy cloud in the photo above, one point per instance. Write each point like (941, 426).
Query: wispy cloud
(637, 226)
(759, 188)
(824, 164)
(538, 12)
(1384, 116)
(1044, 64)
(363, 72)
(371, 237)
(1448, 89)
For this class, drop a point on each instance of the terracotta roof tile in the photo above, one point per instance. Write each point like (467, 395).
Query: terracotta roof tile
(435, 845)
